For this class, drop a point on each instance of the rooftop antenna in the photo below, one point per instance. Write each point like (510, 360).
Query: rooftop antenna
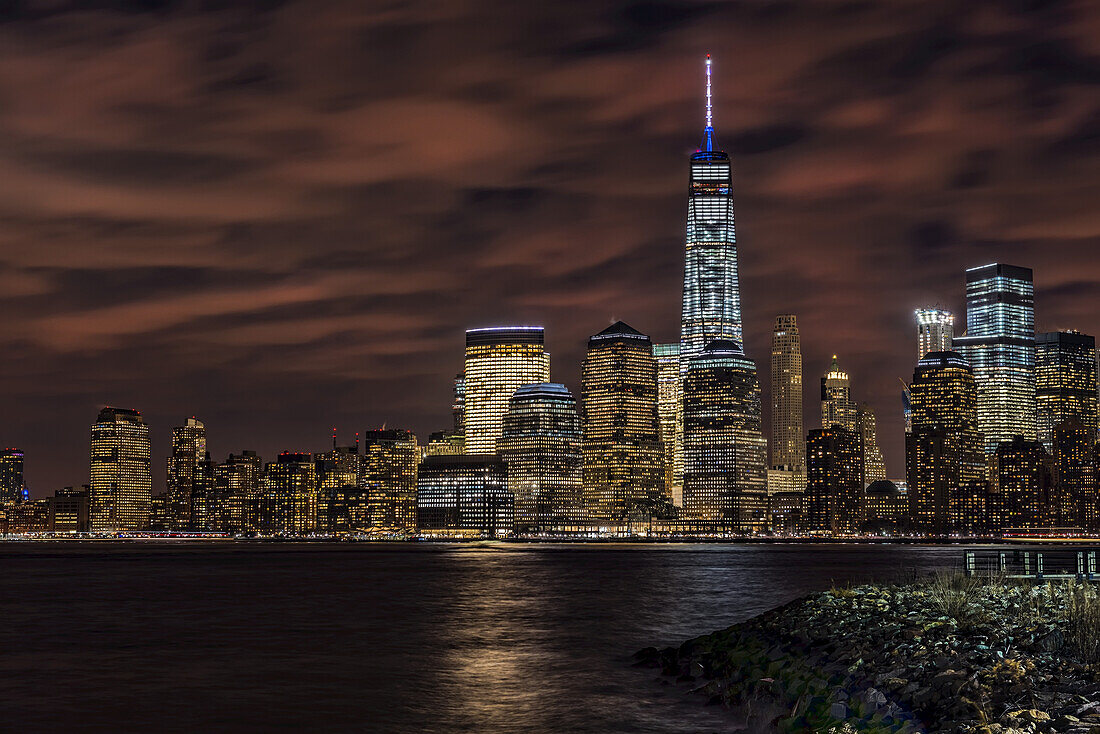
(334, 438)
(710, 113)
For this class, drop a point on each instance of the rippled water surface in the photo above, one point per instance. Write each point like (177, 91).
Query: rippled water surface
(385, 638)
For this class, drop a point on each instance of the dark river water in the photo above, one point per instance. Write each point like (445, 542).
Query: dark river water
(384, 638)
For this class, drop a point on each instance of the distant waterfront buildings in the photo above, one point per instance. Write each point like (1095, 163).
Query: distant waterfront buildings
(999, 345)
(499, 360)
(1065, 382)
(935, 331)
(12, 485)
(464, 495)
(788, 447)
(541, 448)
(623, 457)
(121, 482)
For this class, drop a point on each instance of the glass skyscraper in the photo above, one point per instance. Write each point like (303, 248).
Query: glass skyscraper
(11, 476)
(186, 478)
(712, 298)
(499, 360)
(623, 456)
(999, 344)
(541, 447)
(121, 482)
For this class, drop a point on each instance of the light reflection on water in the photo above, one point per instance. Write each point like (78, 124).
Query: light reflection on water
(391, 638)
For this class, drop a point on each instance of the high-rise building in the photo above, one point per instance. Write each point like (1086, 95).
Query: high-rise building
(1065, 382)
(788, 436)
(670, 416)
(121, 482)
(541, 447)
(288, 495)
(944, 460)
(999, 344)
(236, 504)
(464, 496)
(1023, 473)
(712, 297)
(874, 466)
(834, 500)
(623, 456)
(935, 331)
(12, 486)
(887, 506)
(837, 408)
(186, 484)
(725, 454)
(390, 461)
(1075, 479)
(499, 360)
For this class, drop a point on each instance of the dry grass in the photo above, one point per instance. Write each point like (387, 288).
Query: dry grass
(1082, 614)
(956, 595)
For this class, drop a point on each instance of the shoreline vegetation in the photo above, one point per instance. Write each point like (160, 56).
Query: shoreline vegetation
(951, 653)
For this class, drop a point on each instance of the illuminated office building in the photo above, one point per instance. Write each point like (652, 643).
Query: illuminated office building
(834, 501)
(288, 495)
(236, 504)
(187, 482)
(999, 344)
(874, 466)
(837, 408)
(12, 486)
(1074, 475)
(1023, 473)
(786, 499)
(670, 416)
(623, 456)
(499, 361)
(1065, 382)
(788, 437)
(935, 331)
(712, 298)
(69, 510)
(464, 496)
(389, 465)
(725, 454)
(541, 447)
(121, 482)
(887, 507)
(944, 459)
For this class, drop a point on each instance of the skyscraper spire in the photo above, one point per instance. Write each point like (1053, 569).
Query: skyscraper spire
(710, 113)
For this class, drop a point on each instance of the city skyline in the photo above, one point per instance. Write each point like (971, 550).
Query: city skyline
(135, 279)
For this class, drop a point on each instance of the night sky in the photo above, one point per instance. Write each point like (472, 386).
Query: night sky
(281, 217)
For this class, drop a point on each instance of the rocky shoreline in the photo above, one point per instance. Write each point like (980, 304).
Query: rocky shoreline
(952, 654)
